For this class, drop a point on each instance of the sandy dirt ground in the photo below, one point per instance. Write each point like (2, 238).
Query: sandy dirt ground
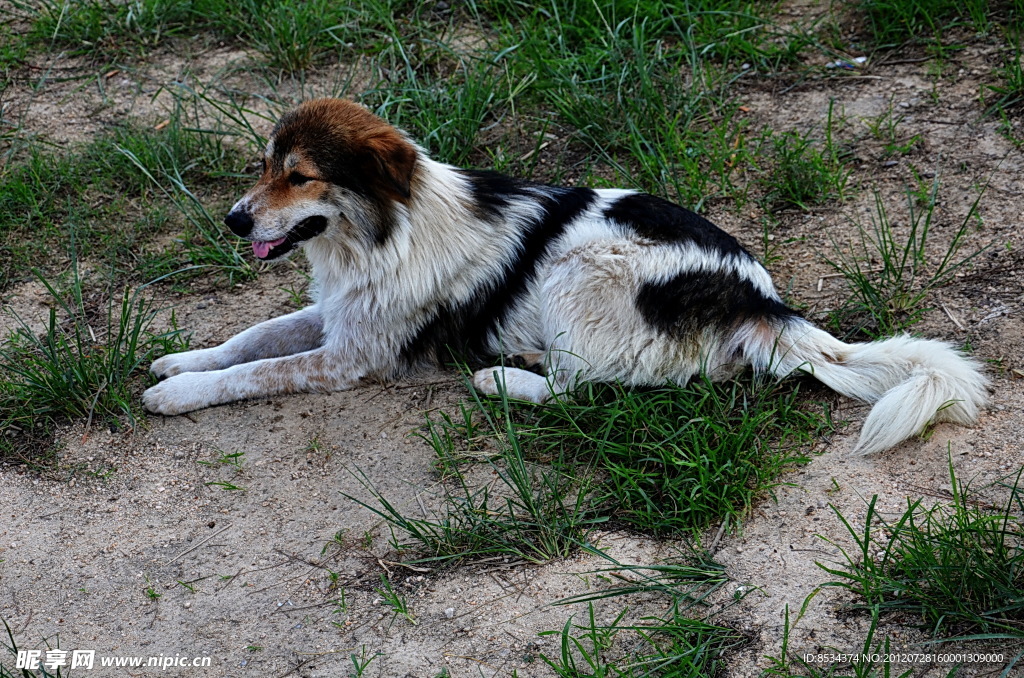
(93, 553)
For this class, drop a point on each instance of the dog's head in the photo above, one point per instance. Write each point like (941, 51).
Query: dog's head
(329, 165)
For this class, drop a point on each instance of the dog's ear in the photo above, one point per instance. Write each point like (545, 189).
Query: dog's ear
(393, 160)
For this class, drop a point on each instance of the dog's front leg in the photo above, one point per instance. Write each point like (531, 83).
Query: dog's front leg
(319, 370)
(290, 334)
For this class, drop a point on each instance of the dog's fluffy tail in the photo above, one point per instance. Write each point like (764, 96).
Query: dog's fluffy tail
(911, 381)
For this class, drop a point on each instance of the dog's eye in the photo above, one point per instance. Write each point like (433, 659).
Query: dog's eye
(298, 179)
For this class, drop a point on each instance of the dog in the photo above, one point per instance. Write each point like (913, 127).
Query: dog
(412, 258)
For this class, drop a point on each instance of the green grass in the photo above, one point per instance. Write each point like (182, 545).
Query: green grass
(895, 22)
(11, 650)
(675, 646)
(42, 192)
(102, 192)
(296, 34)
(666, 461)
(528, 513)
(892, 270)
(885, 129)
(723, 30)
(13, 50)
(651, 112)
(1007, 95)
(680, 642)
(361, 661)
(876, 655)
(635, 93)
(956, 568)
(446, 107)
(287, 34)
(104, 27)
(391, 598)
(630, 93)
(203, 246)
(687, 580)
(800, 173)
(89, 362)
(115, 194)
(674, 459)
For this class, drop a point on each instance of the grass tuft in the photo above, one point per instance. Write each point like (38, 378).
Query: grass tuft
(527, 513)
(957, 568)
(885, 129)
(395, 600)
(802, 175)
(874, 658)
(653, 114)
(894, 22)
(641, 91)
(892, 275)
(673, 459)
(667, 461)
(291, 35)
(445, 110)
(86, 364)
(1008, 93)
(672, 644)
(203, 243)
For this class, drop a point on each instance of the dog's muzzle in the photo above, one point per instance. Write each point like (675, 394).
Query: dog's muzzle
(308, 228)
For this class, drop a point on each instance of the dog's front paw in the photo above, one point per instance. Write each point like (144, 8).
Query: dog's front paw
(201, 360)
(180, 394)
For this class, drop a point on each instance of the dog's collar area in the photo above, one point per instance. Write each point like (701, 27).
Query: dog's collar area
(306, 229)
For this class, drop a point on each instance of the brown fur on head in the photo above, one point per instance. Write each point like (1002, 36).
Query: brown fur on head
(349, 143)
(328, 160)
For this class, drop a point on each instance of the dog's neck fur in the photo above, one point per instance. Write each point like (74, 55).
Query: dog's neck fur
(437, 232)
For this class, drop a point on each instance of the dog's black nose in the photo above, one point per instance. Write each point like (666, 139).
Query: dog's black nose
(239, 222)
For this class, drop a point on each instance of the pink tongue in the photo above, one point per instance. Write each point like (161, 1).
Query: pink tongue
(262, 249)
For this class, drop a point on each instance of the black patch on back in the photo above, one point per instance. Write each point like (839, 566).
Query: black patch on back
(467, 327)
(492, 192)
(689, 302)
(660, 220)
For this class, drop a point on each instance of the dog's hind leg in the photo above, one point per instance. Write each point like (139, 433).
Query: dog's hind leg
(531, 361)
(517, 383)
(290, 334)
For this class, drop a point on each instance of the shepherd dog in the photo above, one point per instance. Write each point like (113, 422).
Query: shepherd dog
(414, 261)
